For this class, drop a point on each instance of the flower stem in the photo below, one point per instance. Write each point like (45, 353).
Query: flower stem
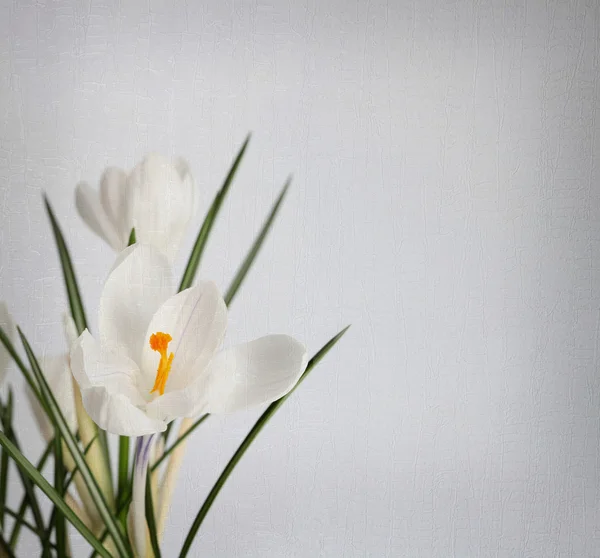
(123, 473)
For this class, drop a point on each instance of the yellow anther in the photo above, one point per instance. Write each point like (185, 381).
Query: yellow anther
(159, 342)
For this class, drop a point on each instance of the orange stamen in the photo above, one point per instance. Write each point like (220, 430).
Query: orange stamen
(159, 342)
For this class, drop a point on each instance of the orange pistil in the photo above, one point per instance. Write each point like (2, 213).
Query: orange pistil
(159, 342)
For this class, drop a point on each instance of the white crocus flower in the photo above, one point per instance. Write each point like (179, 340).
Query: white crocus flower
(8, 326)
(157, 199)
(157, 360)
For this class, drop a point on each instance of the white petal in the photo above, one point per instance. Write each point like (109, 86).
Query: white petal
(133, 292)
(94, 367)
(250, 374)
(196, 319)
(162, 203)
(185, 174)
(182, 166)
(115, 413)
(121, 256)
(70, 329)
(91, 211)
(8, 326)
(60, 380)
(175, 404)
(115, 199)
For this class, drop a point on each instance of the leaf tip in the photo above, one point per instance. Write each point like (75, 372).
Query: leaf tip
(246, 142)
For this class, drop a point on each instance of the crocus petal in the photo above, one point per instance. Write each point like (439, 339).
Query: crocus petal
(91, 211)
(162, 203)
(94, 367)
(188, 183)
(58, 375)
(70, 330)
(196, 320)
(249, 375)
(133, 292)
(175, 404)
(115, 413)
(8, 326)
(60, 380)
(182, 167)
(115, 199)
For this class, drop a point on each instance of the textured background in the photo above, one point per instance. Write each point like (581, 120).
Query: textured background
(446, 202)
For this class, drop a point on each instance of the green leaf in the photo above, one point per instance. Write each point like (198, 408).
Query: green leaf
(30, 471)
(6, 549)
(120, 541)
(131, 237)
(123, 474)
(75, 470)
(4, 339)
(24, 523)
(14, 537)
(3, 484)
(251, 256)
(178, 441)
(77, 310)
(258, 426)
(4, 463)
(151, 520)
(58, 522)
(27, 485)
(75, 302)
(209, 220)
(66, 485)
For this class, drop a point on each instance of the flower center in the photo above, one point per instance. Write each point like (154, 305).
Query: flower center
(159, 342)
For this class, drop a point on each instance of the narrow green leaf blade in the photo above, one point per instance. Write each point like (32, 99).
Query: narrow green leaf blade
(14, 536)
(123, 473)
(131, 237)
(77, 310)
(24, 523)
(6, 549)
(27, 485)
(151, 519)
(72, 474)
(255, 248)
(178, 441)
(209, 220)
(29, 470)
(121, 542)
(66, 485)
(74, 296)
(58, 521)
(4, 463)
(5, 340)
(258, 426)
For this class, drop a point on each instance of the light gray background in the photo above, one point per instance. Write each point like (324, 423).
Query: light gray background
(445, 202)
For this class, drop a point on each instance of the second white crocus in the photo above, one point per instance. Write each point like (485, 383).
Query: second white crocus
(156, 358)
(157, 198)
